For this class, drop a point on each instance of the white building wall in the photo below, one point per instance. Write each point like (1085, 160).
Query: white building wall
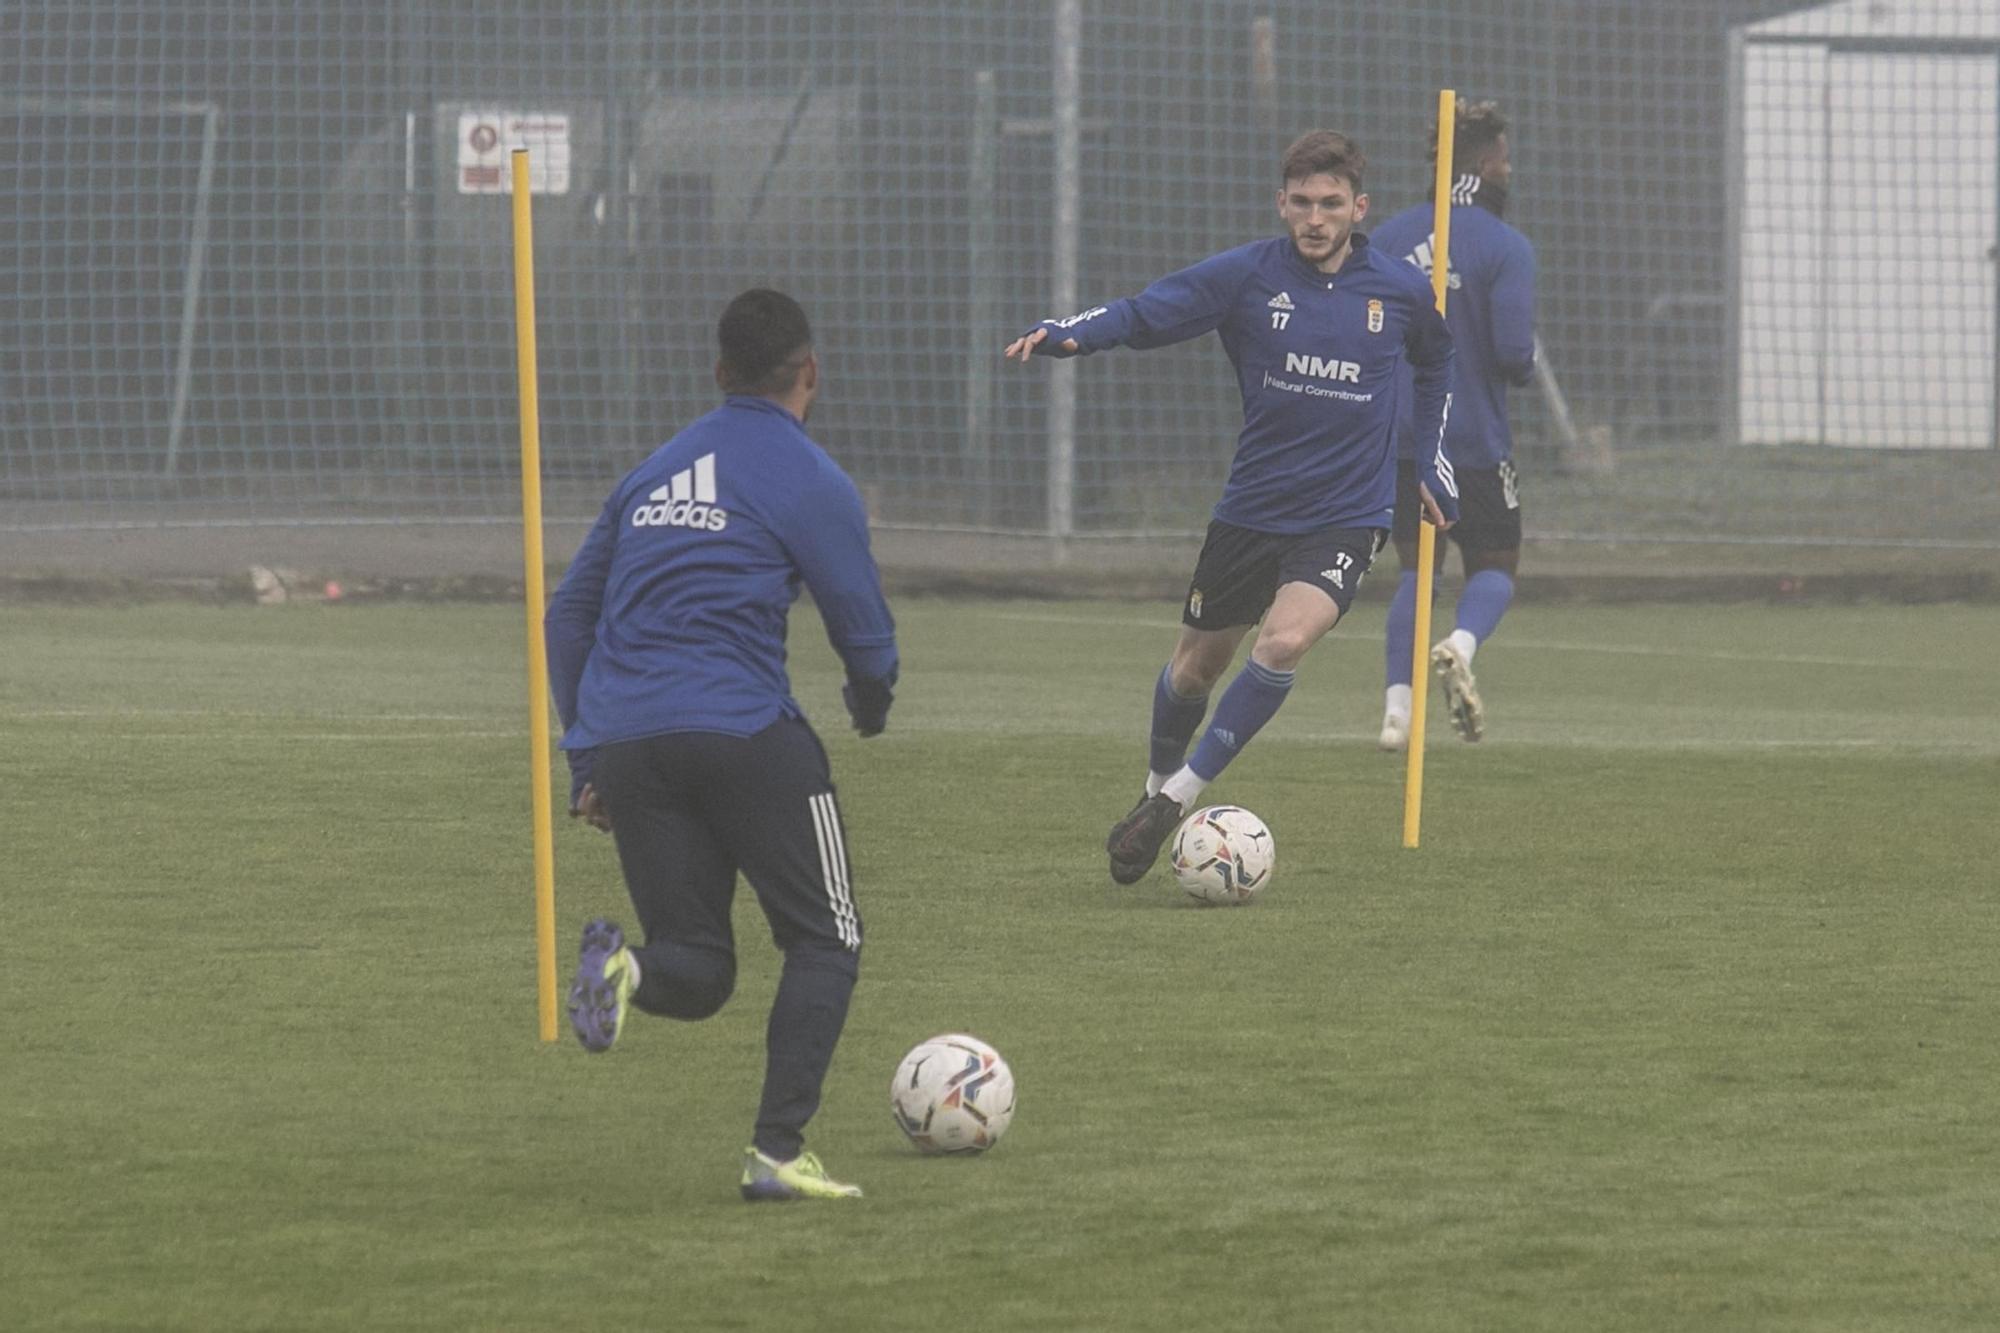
(1868, 245)
(1910, 291)
(1782, 245)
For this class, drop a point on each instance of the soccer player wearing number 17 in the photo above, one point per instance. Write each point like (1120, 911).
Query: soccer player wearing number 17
(1316, 324)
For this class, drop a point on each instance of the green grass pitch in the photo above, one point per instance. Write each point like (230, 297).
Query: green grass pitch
(1683, 1017)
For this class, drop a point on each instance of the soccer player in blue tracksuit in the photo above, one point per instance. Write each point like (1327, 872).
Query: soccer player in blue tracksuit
(1316, 324)
(1491, 310)
(667, 657)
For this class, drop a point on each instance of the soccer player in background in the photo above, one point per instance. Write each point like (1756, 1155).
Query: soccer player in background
(667, 658)
(1315, 324)
(1491, 310)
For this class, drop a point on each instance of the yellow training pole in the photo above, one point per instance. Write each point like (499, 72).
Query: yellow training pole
(1413, 783)
(531, 554)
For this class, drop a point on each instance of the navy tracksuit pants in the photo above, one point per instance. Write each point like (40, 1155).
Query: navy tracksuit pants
(689, 810)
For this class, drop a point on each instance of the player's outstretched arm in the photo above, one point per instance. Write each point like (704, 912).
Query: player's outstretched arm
(1172, 309)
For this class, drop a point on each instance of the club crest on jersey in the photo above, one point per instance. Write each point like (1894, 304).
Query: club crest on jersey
(1194, 604)
(686, 501)
(1374, 316)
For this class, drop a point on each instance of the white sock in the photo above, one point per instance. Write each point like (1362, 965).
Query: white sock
(1183, 787)
(1462, 640)
(1155, 781)
(1396, 702)
(632, 962)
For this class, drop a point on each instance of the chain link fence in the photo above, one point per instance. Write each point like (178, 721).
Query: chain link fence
(255, 271)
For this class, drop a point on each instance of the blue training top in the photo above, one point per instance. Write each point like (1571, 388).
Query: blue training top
(1490, 306)
(672, 616)
(1316, 357)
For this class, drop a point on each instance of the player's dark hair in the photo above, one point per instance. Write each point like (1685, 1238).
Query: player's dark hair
(1480, 126)
(764, 338)
(1318, 152)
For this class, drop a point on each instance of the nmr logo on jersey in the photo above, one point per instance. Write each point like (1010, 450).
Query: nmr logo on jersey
(687, 501)
(1348, 371)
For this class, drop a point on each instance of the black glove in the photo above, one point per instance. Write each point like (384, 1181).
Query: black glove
(868, 703)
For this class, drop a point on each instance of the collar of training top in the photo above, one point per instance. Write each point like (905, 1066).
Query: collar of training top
(1357, 243)
(758, 404)
(1472, 188)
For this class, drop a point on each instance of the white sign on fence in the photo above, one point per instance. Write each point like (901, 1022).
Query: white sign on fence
(487, 138)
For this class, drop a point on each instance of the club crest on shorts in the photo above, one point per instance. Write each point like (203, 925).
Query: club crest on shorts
(1374, 316)
(1194, 604)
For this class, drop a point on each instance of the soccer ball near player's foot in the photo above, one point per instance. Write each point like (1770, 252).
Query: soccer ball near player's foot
(953, 1094)
(1222, 854)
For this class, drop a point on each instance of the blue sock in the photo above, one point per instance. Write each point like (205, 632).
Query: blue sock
(1251, 700)
(1483, 602)
(1401, 629)
(1175, 720)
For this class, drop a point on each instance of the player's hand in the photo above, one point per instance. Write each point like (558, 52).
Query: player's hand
(1432, 514)
(589, 807)
(1023, 347)
(584, 802)
(868, 704)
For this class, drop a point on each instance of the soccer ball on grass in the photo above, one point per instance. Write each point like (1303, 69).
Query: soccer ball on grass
(953, 1094)
(1222, 854)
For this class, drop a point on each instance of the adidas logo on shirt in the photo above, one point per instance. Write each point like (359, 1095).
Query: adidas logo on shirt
(1423, 257)
(686, 501)
(1282, 301)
